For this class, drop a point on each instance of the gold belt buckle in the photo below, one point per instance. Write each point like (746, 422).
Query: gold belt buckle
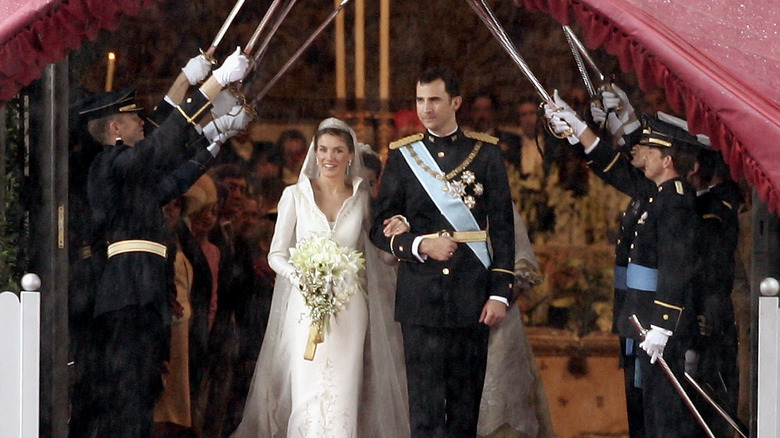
(444, 233)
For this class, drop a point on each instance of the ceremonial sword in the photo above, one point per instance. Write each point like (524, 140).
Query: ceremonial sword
(675, 383)
(715, 405)
(209, 53)
(486, 15)
(300, 50)
(581, 57)
(250, 45)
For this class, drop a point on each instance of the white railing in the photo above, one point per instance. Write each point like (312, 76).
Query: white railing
(20, 325)
(768, 352)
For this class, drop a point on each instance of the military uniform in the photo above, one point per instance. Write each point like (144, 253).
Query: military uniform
(438, 303)
(127, 187)
(717, 340)
(659, 278)
(615, 169)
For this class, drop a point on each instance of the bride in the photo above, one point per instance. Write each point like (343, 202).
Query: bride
(358, 364)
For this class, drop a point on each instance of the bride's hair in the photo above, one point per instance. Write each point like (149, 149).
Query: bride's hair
(340, 133)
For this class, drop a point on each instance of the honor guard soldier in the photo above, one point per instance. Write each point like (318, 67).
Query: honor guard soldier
(661, 264)
(448, 185)
(617, 116)
(714, 363)
(128, 183)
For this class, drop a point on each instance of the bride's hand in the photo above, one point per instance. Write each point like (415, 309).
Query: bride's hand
(395, 225)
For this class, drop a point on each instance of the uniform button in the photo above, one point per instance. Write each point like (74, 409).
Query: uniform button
(445, 271)
(660, 188)
(629, 260)
(440, 155)
(635, 233)
(632, 246)
(400, 248)
(651, 200)
(618, 241)
(666, 317)
(189, 100)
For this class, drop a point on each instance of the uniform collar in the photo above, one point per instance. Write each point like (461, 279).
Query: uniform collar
(447, 139)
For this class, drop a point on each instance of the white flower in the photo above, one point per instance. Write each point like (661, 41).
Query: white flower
(328, 276)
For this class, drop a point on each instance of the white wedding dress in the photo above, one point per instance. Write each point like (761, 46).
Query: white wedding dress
(355, 386)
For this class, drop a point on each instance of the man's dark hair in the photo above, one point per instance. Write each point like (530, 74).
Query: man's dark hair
(290, 134)
(683, 158)
(484, 94)
(224, 171)
(451, 84)
(266, 151)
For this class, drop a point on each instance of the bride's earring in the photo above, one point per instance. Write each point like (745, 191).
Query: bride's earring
(349, 167)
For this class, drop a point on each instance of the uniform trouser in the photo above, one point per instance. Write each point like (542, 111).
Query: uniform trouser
(445, 370)
(718, 374)
(666, 414)
(634, 408)
(129, 346)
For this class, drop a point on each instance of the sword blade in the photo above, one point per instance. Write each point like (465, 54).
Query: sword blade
(488, 18)
(226, 25)
(715, 405)
(267, 40)
(575, 52)
(300, 51)
(250, 45)
(675, 382)
(585, 54)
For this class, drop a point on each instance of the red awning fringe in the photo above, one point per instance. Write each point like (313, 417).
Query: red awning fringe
(602, 31)
(51, 35)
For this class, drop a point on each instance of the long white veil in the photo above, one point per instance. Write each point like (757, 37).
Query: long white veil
(383, 407)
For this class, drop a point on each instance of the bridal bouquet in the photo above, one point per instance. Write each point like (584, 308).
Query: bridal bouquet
(328, 276)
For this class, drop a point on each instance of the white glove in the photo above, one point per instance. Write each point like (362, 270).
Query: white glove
(597, 113)
(620, 113)
(235, 68)
(197, 69)
(563, 119)
(223, 103)
(655, 341)
(691, 362)
(224, 127)
(214, 149)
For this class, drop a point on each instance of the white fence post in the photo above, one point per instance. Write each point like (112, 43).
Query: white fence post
(768, 348)
(20, 360)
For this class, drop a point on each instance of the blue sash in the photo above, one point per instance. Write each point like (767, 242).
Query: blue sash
(642, 278)
(453, 209)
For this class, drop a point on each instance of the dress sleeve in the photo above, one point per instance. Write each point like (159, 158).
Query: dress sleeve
(284, 235)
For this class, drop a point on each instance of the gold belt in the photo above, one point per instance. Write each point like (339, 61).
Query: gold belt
(461, 236)
(137, 245)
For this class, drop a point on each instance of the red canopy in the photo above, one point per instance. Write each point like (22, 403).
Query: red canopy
(35, 33)
(718, 60)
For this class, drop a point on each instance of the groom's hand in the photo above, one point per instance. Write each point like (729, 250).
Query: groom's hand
(493, 312)
(438, 248)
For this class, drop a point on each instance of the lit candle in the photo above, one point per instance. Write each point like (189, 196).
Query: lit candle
(360, 47)
(384, 49)
(341, 57)
(110, 71)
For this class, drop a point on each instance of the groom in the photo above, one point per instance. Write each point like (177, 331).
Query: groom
(447, 185)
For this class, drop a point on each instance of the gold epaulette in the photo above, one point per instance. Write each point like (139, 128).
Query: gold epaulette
(679, 187)
(481, 136)
(406, 141)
